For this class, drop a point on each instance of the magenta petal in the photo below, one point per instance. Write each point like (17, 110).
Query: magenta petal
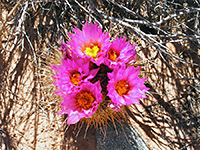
(90, 34)
(75, 112)
(115, 107)
(126, 53)
(136, 85)
(73, 117)
(64, 71)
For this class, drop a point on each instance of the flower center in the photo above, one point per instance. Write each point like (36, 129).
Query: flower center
(85, 99)
(92, 50)
(74, 78)
(122, 87)
(112, 55)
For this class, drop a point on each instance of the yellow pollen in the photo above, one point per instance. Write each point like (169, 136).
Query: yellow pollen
(92, 51)
(122, 87)
(85, 99)
(74, 78)
(112, 55)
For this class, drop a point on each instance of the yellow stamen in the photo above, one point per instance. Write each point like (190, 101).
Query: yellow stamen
(112, 55)
(122, 87)
(85, 99)
(74, 78)
(92, 51)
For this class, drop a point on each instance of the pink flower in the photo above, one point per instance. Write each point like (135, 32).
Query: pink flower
(114, 106)
(120, 52)
(81, 103)
(125, 87)
(90, 43)
(70, 74)
(65, 50)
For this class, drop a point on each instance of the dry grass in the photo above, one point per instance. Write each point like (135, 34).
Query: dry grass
(168, 38)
